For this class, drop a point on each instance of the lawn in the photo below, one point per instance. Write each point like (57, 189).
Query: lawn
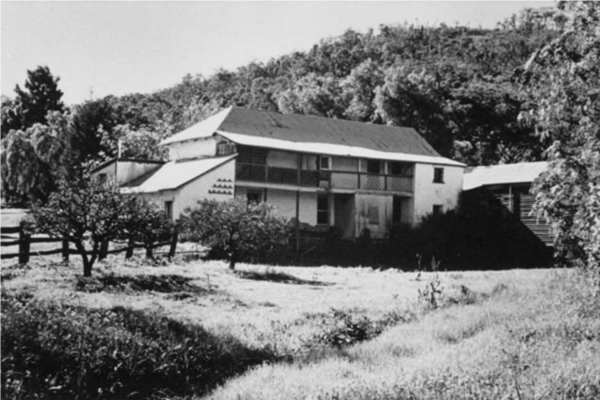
(359, 333)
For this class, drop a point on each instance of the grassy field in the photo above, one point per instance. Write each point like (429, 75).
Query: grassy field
(358, 333)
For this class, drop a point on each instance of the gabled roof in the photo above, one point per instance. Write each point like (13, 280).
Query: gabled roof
(296, 128)
(173, 175)
(502, 174)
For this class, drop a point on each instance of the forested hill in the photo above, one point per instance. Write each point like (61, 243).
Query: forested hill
(455, 85)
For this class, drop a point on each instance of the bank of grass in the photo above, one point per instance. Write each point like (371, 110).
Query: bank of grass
(307, 332)
(533, 343)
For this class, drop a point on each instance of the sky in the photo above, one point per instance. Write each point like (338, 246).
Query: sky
(101, 48)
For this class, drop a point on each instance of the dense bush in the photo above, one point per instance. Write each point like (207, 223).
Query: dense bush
(61, 351)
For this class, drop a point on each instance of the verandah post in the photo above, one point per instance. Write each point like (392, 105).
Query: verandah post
(173, 246)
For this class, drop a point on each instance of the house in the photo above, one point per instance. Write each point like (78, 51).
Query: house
(508, 186)
(323, 172)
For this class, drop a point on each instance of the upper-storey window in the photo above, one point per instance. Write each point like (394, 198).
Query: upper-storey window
(438, 175)
(324, 163)
(225, 148)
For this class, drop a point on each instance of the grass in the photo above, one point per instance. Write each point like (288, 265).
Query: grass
(357, 333)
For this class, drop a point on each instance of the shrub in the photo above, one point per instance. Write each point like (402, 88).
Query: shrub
(63, 351)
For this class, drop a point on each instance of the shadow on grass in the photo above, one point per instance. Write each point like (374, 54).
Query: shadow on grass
(140, 283)
(54, 350)
(278, 277)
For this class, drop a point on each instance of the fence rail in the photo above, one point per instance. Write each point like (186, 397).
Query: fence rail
(25, 240)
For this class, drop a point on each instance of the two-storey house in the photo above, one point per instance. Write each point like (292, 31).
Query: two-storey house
(323, 172)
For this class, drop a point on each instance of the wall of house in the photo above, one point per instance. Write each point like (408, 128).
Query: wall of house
(427, 193)
(127, 170)
(282, 159)
(344, 164)
(374, 212)
(193, 148)
(201, 188)
(285, 201)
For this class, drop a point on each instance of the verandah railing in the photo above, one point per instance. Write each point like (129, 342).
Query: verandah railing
(329, 179)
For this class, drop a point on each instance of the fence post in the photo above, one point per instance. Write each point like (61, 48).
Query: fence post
(24, 246)
(173, 246)
(65, 250)
(129, 251)
(103, 250)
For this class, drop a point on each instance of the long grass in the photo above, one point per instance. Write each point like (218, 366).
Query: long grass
(357, 333)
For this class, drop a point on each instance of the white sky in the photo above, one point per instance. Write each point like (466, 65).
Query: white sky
(102, 48)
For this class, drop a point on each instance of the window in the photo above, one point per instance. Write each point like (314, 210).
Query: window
(254, 196)
(373, 166)
(102, 178)
(373, 215)
(322, 209)
(438, 175)
(324, 163)
(437, 209)
(225, 148)
(169, 209)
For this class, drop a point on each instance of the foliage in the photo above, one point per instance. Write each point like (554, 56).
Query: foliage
(62, 351)
(238, 229)
(564, 76)
(41, 95)
(86, 213)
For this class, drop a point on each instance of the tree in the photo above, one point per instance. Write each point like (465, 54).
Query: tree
(86, 213)
(146, 223)
(238, 229)
(31, 105)
(564, 77)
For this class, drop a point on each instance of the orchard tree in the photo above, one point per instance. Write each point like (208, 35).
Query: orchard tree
(238, 229)
(564, 77)
(86, 213)
(146, 223)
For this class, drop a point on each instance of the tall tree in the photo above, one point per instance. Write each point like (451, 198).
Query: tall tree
(32, 104)
(564, 77)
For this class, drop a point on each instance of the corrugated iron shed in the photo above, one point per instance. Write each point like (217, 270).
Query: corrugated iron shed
(173, 175)
(309, 129)
(502, 174)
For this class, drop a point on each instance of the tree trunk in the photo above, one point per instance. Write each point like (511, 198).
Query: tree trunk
(149, 254)
(232, 262)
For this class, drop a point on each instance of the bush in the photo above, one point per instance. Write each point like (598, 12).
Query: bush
(63, 351)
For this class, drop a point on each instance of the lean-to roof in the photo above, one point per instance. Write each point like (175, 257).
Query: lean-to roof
(173, 175)
(502, 174)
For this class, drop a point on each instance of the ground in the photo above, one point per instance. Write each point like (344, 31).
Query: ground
(312, 320)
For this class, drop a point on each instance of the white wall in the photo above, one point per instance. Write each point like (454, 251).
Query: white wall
(193, 148)
(345, 164)
(188, 195)
(427, 194)
(383, 204)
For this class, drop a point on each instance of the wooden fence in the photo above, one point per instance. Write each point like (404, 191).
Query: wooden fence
(24, 241)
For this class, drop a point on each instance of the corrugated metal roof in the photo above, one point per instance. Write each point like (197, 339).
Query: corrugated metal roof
(173, 175)
(309, 129)
(333, 149)
(502, 174)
